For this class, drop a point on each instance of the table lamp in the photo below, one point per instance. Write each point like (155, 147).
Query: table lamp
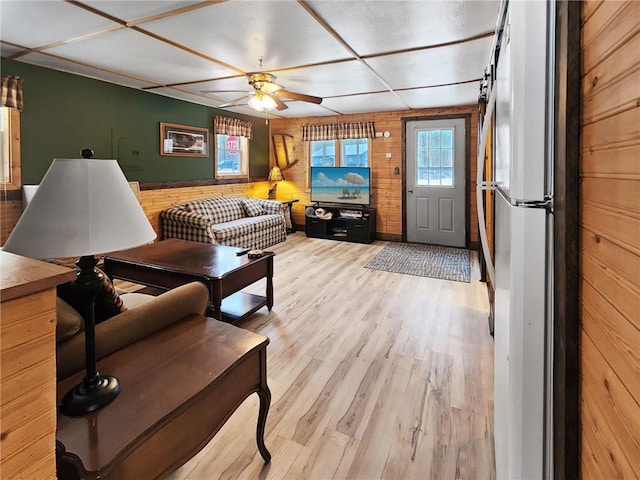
(82, 208)
(275, 176)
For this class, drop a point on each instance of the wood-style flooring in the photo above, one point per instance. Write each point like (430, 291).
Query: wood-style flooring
(373, 375)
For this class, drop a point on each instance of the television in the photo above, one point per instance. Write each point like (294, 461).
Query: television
(348, 185)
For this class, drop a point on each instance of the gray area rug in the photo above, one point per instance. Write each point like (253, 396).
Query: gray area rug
(424, 261)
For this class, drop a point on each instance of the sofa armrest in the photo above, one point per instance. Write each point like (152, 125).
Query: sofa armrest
(183, 217)
(133, 325)
(271, 207)
(178, 223)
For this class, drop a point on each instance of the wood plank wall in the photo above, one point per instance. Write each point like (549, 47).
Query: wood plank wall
(10, 211)
(386, 186)
(152, 201)
(610, 240)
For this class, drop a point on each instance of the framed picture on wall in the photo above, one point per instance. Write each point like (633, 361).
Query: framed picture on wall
(183, 141)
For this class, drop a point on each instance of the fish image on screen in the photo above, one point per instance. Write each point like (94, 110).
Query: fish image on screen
(349, 185)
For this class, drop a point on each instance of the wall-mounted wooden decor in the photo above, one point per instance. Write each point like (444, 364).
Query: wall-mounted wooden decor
(283, 150)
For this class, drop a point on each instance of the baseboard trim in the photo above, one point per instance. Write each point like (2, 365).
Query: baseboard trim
(390, 237)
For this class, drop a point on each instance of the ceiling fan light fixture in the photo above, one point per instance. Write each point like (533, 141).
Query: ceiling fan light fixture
(256, 103)
(261, 102)
(268, 102)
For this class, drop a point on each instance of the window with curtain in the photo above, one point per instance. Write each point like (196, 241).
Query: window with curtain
(339, 144)
(232, 147)
(10, 105)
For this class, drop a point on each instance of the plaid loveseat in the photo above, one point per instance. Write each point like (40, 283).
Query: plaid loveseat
(236, 221)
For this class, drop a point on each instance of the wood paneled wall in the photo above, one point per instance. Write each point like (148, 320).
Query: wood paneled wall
(152, 201)
(10, 211)
(610, 240)
(386, 185)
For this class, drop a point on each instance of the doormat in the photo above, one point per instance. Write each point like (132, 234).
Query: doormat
(422, 260)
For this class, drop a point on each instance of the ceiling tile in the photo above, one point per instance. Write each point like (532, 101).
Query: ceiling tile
(382, 26)
(374, 102)
(189, 97)
(455, 63)
(47, 61)
(281, 32)
(303, 109)
(224, 89)
(38, 23)
(133, 53)
(446, 96)
(136, 10)
(329, 80)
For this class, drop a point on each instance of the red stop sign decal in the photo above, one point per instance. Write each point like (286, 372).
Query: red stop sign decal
(232, 144)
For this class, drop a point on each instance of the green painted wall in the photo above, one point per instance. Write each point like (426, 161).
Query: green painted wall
(65, 113)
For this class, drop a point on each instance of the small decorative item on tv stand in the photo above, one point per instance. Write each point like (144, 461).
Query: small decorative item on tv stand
(351, 213)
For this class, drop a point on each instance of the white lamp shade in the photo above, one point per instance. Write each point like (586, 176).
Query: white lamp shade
(82, 207)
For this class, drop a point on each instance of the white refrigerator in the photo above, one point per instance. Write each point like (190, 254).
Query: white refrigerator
(519, 100)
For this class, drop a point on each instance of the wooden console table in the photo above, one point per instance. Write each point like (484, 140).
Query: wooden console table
(179, 386)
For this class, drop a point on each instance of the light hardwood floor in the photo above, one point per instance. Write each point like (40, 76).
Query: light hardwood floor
(372, 374)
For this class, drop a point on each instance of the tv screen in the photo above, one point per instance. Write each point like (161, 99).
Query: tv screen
(350, 185)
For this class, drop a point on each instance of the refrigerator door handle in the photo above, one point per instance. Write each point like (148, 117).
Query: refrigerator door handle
(546, 203)
(481, 185)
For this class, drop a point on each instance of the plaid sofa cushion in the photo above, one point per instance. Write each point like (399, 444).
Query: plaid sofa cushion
(218, 209)
(245, 226)
(232, 229)
(252, 208)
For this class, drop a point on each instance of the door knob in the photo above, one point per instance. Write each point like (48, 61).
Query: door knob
(410, 190)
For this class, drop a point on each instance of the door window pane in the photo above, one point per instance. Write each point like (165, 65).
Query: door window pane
(434, 157)
(447, 138)
(434, 139)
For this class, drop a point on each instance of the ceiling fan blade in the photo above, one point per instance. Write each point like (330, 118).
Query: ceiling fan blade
(233, 102)
(299, 96)
(280, 105)
(270, 87)
(224, 91)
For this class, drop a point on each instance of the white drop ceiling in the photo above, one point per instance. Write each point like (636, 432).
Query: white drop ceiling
(358, 55)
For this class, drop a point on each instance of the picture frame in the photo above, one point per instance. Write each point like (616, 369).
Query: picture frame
(183, 141)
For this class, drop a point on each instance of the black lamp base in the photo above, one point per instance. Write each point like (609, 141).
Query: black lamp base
(90, 395)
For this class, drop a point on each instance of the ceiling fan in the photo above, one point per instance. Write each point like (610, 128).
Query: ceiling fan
(266, 94)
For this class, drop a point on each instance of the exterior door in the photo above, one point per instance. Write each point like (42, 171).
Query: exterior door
(435, 183)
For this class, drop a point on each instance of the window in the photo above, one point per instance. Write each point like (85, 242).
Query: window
(340, 153)
(232, 156)
(10, 148)
(435, 157)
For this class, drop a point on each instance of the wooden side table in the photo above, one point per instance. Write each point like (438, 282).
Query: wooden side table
(179, 387)
(289, 204)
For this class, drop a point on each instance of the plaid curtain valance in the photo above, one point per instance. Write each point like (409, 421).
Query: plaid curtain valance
(232, 126)
(11, 92)
(336, 131)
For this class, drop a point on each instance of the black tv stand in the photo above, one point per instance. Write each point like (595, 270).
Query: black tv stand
(348, 223)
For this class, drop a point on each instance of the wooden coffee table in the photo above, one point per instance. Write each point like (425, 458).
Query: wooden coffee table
(174, 262)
